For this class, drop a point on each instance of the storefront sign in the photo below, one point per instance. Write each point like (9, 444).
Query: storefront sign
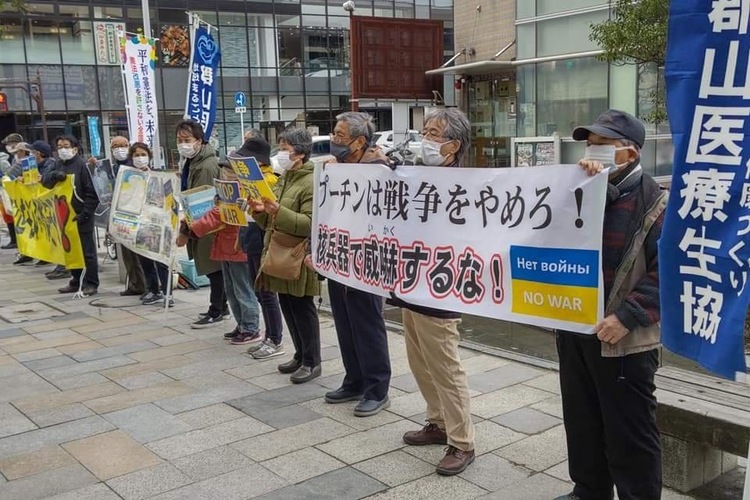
(204, 63)
(515, 244)
(95, 137)
(105, 39)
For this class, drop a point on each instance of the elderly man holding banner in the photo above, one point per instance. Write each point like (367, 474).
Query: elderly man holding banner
(432, 335)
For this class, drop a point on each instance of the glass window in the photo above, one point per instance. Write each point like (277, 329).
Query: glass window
(623, 87)
(233, 43)
(76, 11)
(81, 89)
(107, 12)
(314, 21)
(18, 100)
(567, 35)
(526, 41)
(382, 8)
(442, 9)
(526, 107)
(651, 83)
(282, 20)
(404, 9)
(36, 9)
(570, 93)
(290, 50)
(110, 85)
(315, 7)
(53, 86)
(525, 9)
(77, 40)
(42, 41)
(232, 18)
(553, 6)
(11, 41)
(339, 22)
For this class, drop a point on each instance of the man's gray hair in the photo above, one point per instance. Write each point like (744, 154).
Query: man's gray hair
(300, 140)
(457, 128)
(251, 132)
(360, 124)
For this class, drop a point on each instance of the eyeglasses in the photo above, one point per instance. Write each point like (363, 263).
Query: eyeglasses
(340, 138)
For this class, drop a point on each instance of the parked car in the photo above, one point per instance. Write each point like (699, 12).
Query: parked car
(321, 152)
(387, 140)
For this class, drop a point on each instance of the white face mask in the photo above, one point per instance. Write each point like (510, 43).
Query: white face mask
(66, 154)
(187, 150)
(141, 162)
(430, 153)
(605, 154)
(285, 162)
(120, 154)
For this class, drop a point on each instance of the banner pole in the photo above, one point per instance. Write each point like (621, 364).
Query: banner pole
(193, 25)
(146, 18)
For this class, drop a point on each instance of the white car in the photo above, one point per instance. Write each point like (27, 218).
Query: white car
(321, 152)
(387, 140)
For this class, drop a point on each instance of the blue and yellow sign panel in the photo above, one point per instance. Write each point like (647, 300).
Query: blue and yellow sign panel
(555, 283)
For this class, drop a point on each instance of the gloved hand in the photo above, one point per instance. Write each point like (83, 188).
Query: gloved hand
(81, 218)
(59, 176)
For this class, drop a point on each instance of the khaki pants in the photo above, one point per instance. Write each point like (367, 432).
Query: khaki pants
(432, 350)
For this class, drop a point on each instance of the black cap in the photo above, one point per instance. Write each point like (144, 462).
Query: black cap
(42, 147)
(256, 147)
(13, 138)
(614, 124)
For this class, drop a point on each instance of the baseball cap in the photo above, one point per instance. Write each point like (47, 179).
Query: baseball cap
(256, 147)
(13, 138)
(42, 147)
(614, 124)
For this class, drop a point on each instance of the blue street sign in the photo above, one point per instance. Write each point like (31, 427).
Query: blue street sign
(240, 100)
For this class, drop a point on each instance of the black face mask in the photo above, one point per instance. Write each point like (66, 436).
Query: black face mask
(341, 151)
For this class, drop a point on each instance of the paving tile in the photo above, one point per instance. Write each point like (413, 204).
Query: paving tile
(527, 420)
(61, 433)
(111, 454)
(248, 482)
(174, 338)
(51, 457)
(560, 471)
(11, 332)
(482, 363)
(108, 325)
(51, 362)
(549, 383)
(63, 323)
(106, 352)
(536, 487)
(505, 400)
(406, 383)
(13, 421)
(210, 396)
(210, 415)
(146, 423)
(24, 385)
(148, 482)
(210, 437)
(59, 415)
(54, 334)
(9, 366)
(289, 416)
(363, 445)
(331, 382)
(46, 402)
(278, 398)
(492, 473)
(148, 367)
(504, 376)
(301, 465)
(98, 491)
(137, 397)
(344, 413)
(295, 438)
(538, 452)
(395, 468)
(433, 487)
(47, 484)
(35, 355)
(77, 381)
(551, 406)
(341, 484)
(36, 345)
(144, 380)
(151, 333)
(272, 381)
(248, 372)
(80, 347)
(210, 463)
(87, 367)
(203, 368)
(408, 405)
(173, 350)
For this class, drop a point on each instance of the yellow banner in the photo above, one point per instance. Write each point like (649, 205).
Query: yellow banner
(44, 222)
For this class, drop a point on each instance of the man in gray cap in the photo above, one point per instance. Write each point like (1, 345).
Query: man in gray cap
(607, 379)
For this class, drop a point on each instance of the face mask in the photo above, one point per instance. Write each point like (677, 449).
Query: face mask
(341, 151)
(430, 153)
(120, 154)
(66, 154)
(187, 150)
(605, 154)
(284, 160)
(141, 162)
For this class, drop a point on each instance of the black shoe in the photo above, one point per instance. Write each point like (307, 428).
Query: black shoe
(131, 293)
(290, 366)
(305, 374)
(232, 334)
(58, 275)
(42, 263)
(68, 289)
(88, 291)
(22, 259)
(342, 395)
(9, 246)
(569, 496)
(206, 322)
(370, 407)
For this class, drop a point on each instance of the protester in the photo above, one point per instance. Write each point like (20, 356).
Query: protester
(23, 151)
(607, 379)
(358, 315)
(291, 215)
(432, 335)
(252, 133)
(200, 167)
(11, 169)
(84, 204)
(156, 274)
(251, 238)
(43, 154)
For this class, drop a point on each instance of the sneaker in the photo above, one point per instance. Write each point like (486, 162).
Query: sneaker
(22, 259)
(58, 275)
(42, 263)
(268, 350)
(232, 334)
(171, 302)
(429, 434)
(207, 322)
(370, 407)
(224, 315)
(152, 298)
(243, 338)
(255, 347)
(9, 246)
(455, 461)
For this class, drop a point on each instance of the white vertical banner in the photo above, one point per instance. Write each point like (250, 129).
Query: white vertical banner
(139, 62)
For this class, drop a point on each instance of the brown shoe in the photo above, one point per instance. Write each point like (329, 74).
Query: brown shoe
(429, 434)
(455, 461)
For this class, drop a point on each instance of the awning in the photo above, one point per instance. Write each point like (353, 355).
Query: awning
(491, 66)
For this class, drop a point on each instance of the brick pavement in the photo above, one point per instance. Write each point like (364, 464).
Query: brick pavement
(125, 402)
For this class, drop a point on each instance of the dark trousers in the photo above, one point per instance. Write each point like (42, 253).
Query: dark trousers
(301, 317)
(156, 273)
(269, 303)
(363, 341)
(609, 411)
(90, 260)
(132, 263)
(218, 298)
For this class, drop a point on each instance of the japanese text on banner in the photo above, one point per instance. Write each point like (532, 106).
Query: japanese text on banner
(201, 97)
(703, 284)
(518, 244)
(139, 61)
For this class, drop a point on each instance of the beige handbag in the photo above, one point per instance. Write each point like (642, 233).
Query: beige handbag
(285, 256)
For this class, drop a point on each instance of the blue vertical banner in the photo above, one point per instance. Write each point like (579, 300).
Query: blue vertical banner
(704, 264)
(95, 137)
(201, 97)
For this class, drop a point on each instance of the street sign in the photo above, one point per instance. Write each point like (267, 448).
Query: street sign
(240, 109)
(240, 100)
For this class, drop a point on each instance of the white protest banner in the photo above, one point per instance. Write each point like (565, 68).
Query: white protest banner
(139, 61)
(521, 244)
(144, 213)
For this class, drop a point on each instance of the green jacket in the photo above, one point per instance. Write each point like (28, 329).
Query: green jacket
(294, 192)
(204, 168)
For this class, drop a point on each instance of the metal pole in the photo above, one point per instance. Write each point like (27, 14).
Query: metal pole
(40, 105)
(242, 128)
(146, 19)
(352, 67)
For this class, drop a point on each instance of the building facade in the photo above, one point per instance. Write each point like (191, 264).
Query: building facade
(290, 57)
